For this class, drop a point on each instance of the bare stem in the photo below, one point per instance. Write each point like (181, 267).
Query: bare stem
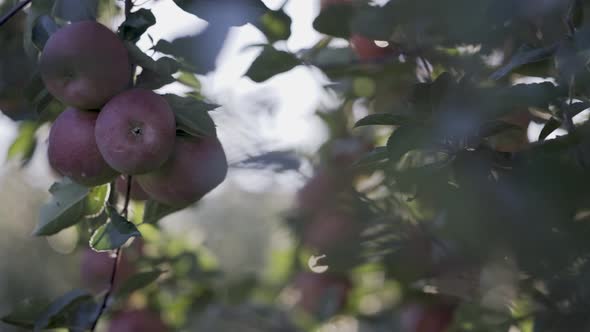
(118, 254)
(14, 11)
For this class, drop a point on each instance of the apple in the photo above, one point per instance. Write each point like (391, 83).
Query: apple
(321, 189)
(197, 166)
(330, 228)
(137, 321)
(321, 293)
(366, 49)
(135, 131)
(136, 194)
(84, 64)
(426, 318)
(96, 269)
(72, 149)
(344, 152)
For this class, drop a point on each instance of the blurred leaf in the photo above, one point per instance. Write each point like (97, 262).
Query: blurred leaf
(25, 313)
(334, 20)
(189, 80)
(113, 234)
(525, 55)
(375, 23)
(59, 307)
(386, 119)
(96, 199)
(549, 127)
(278, 161)
(377, 155)
(75, 10)
(43, 27)
(405, 139)
(271, 62)
(137, 282)
(136, 24)
(495, 127)
(64, 209)
(155, 211)
(224, 12)
(24, 144)
(276, 25)
(191, 115)
(197, 52)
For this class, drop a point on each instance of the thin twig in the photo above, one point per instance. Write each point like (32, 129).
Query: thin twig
(124, 213)
(14, 11)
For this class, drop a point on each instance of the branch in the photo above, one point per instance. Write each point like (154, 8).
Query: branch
(13, 11)
(112, 280)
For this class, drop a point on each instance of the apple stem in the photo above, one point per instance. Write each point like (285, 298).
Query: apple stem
(14, 11)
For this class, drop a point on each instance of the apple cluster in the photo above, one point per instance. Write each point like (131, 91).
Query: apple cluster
(110, 129)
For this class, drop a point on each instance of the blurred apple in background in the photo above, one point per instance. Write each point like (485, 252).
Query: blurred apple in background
(137, 321)
(322, 294)
(96, 269)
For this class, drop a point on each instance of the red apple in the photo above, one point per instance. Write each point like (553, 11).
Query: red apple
(321, 293)
(135, 131)
(96, 269)
(330, 228)
(366, 49)
(137, 321)
(196, 167)
(84, 64)
(427, 318)
(322, 189)
(137, 193)
(72, 149)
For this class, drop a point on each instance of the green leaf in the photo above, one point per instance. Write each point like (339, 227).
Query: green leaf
(137, 282)
(376, 156)
(189, 80)
(334, 20)
(114, 233)
(138, 57)
(276, 25)
(58, 307)
(405, 139)
(523, 56)
(65, 208)
(495, 127)
(160, 75)
(136, 24)
(24, 144)
(155, 211)
(386, 119)
(271, 62)
(549, 127)
(43, 27)
(96, 199)
(75, 10)
(25, 313)
(191, 115)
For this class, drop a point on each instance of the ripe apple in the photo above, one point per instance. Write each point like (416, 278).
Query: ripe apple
(366, 49)
(72, 149)
(426, 318)
(135, 131)
(136, 194)
(321, 293)
(197, 166)
(330, 228)
(137, 321)
(96, 269)
(321, 189)
(84, 64)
